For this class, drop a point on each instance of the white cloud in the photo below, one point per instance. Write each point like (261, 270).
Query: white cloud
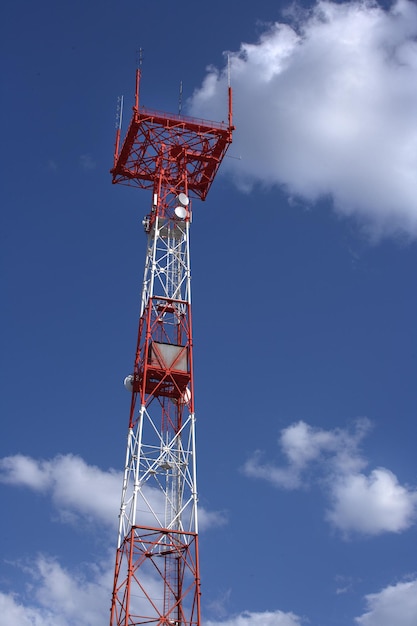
(218, 606)
(77, 594)
(285, 477)
(394, 605)
(12, 612)
(211, 519)
(55, 596)
(22, 470)
(82, 491)
(266, 618)
(50, 594)
(76, 488)
(326, 108)
(305, 446)
(371, 503)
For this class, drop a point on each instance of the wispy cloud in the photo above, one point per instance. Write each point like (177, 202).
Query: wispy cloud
(218, 606)
(78, 490)
(396, 604)
(83, 492)
(265, 618)
(369, 503)
(307, 448)
(57, 596)
(87, 162)
(345, 584)
(325, 107)
(81, 597)
(53, 595)
(80, 493)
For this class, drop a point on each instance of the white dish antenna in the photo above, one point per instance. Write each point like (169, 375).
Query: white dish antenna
(128, 382)
(181, 212)
(183, 199)
(186, 396)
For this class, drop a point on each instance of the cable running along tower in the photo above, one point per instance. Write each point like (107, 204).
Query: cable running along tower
(156, 579)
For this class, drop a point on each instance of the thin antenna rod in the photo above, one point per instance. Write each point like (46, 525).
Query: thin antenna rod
(120, 111)
(140, 57)
(119, 115)
(138, 75)
(180, 99)
(136, 107)
(229, 90)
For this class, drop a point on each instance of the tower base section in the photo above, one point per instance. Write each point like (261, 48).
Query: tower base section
(156, 579)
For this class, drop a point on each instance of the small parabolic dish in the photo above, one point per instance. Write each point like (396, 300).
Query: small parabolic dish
(181, 212)
(186, 396)
(128, 382)
(183, 199)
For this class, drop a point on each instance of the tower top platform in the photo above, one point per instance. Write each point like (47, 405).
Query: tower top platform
(176, 145)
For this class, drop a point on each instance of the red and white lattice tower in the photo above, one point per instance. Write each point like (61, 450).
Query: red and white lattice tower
(156, 578)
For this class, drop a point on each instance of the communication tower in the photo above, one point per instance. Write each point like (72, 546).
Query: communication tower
(156, 578)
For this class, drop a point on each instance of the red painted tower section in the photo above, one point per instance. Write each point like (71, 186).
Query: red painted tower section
(157, 578)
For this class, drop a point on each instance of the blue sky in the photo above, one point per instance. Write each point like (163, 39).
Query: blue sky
(304, 305)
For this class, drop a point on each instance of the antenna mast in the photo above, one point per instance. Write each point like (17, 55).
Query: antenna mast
(180, 99)
(229, 92)
(156, 578)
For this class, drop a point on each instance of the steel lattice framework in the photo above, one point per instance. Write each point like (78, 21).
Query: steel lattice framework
(156, 578)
